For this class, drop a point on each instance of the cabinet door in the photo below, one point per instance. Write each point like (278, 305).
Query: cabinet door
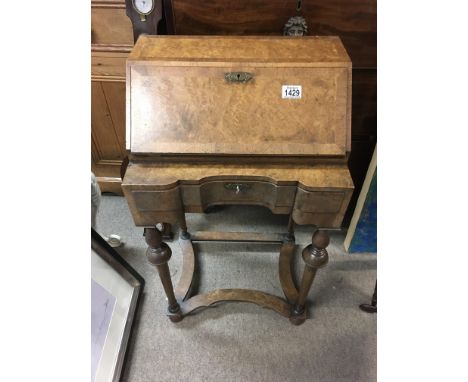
(110, 24)
(108, 132)
(111, 41)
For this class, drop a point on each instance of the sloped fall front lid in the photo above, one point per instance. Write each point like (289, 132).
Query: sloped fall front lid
(210, 95)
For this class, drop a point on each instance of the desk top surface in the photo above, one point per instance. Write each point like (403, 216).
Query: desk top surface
(306, 51)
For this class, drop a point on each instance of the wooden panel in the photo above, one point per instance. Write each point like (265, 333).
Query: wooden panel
(110, 24)
(355, 21)
(109, 184)
(250, 193)
(197, 198)
(108, 131)
(151, 207)
(323, 201)
(306, 51)
(190, 108)
(321, 208)
(195, 111)
(112, 40)
(102, 127)
(319, 201)
(115, 97)
(108, 64)
(243, 237)
(168, 200)
(167, 175)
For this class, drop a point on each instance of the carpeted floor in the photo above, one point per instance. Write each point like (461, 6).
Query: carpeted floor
(241, 341)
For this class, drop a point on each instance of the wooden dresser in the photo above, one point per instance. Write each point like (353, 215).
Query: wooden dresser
(112, 40)
(243, 121)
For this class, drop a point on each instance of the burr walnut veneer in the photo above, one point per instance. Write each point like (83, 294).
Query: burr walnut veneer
(242, 121)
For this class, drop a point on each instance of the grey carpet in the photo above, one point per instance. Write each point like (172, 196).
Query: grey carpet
(241, 341)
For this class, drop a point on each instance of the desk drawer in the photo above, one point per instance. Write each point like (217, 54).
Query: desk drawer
(322, 208)
(279, 199)
(147, 201)
(164, 192)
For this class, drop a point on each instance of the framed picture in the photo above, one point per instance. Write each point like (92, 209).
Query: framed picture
(116, 290)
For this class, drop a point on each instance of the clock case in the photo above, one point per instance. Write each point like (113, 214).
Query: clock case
(151, 24)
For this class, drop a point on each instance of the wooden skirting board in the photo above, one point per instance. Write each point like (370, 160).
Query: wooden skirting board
(113, 185)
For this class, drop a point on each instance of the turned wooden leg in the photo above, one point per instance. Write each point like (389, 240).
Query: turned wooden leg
(184, 234)
(315, 256)
(167, 233)
(290, 236)
(372, 308)
(158, 254)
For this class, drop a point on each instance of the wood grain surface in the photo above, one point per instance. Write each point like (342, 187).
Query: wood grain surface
(161, 176)
(306, 51)
(242, 237)
(354, 21)
(263, 299)
(104, 111)
(111, 42)
(110, 24)
(164, 192)
(191, 109)
(108, 64)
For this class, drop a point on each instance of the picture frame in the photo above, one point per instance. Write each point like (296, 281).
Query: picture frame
(116, 290)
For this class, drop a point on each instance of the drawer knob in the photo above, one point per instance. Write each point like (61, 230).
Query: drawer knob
(238, 187)
(241, 77)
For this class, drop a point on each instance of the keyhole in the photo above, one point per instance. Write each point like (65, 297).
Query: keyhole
(238, 76)
(299, 4)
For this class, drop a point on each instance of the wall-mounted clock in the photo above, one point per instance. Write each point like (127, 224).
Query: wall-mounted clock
(145, 16)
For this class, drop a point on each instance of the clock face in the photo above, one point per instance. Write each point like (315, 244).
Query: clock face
(143, 6)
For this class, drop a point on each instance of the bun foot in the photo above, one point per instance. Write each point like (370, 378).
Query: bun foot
(368, 308)
(297, 317)
(176, 317)
(297, 320)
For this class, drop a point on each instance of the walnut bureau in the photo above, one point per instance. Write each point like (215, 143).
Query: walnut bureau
(238, 121)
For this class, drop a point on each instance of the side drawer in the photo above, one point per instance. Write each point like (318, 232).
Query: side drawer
(149, 207)
(325, 208)
(167, 200)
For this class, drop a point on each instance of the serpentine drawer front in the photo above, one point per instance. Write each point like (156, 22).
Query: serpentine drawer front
(192, 192)
(248, 193)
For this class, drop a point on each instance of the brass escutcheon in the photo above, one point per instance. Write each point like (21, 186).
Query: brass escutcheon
(238, 187)
(241, 77)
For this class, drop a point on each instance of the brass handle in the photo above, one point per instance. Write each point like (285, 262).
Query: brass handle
(238, 187)
(241, 77)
